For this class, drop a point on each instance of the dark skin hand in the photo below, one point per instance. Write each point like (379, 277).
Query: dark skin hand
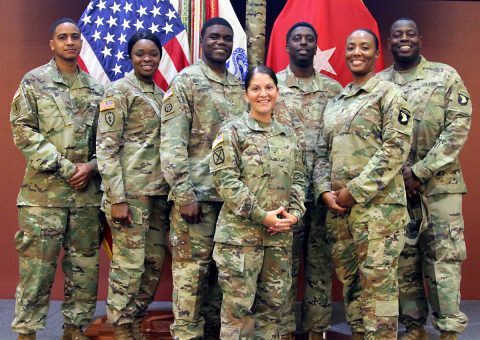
(412, 183)
(81, 177)
(329, 198)
(344, 198)
(121, 214)
(192, 213)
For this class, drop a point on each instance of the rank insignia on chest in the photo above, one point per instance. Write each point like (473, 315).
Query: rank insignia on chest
(404, 116)
(107, 104)
(218, 156)
(463, 98)
(110, 118)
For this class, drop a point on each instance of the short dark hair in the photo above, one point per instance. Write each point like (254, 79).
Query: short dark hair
(301, 24)
(143, 35)
(405, 19)
(370, 32)
(214, 21)
(60, 21)
(260, 69)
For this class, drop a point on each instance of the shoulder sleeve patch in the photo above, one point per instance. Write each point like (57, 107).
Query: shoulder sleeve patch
(107, 104)
(463, 98)
(404, 116)
(217, 140)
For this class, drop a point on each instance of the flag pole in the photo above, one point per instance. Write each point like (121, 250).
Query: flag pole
(256, 17)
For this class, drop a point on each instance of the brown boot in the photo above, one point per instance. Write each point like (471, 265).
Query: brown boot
(137, 330)
(358, 336)
(31, 336)
(316, 335)
(123, 332)
(72, 332)
(289, 336)
(448, 336)
(415, 333)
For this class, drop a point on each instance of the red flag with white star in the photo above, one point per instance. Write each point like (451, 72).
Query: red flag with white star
(333, 20)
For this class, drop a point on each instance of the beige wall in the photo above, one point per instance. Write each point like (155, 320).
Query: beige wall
(450, 34)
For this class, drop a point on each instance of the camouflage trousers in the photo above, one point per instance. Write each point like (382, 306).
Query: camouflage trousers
(254, 282)
(310, 240)
(43, 232)
(196, 294)
(366, 245)
(137, 261)
(434, 262)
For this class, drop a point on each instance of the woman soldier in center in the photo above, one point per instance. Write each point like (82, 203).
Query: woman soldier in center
(258, 170)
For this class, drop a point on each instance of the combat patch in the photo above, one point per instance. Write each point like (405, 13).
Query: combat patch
(404, 116)
(218, 156)
(107, 104)
(217, 140)
(463, 98)
(168, 107)
(110, 118)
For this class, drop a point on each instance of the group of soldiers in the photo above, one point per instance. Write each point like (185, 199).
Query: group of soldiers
(54, 118)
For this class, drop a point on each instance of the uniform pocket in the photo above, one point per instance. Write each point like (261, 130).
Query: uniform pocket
(22, 240)
(229, 257)
(459, 250)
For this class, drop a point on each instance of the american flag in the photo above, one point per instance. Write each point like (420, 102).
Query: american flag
(106, 26)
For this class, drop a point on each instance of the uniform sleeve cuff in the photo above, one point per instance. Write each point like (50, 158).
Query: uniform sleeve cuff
(185, 198)
(67, 168)
(258, 214)
(356, 192)
(297, 213)
(422, 173)
(94, 165)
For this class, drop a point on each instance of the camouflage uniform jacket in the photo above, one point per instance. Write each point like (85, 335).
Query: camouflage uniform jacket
(301, 107)
(256, 170)
(442, 113)
(128, 140)
(53, 125)
(366, 139)
(194, 108)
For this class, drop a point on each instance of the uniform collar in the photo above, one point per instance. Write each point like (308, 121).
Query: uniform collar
(275, 129)
(415, 73)
(82, 80)
(226, 79)
(146, 88)
(292, 80)
(352, 89)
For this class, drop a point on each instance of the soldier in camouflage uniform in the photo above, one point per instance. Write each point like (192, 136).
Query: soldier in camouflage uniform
(303, 96)
(135, 199)
(258, 170)
(435, 246)
(199, 100)
(365, 140)
(54, 116)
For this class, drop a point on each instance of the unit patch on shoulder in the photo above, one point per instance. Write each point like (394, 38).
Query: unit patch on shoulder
(218, 156)
(107, 104)
(463, 98)
(404, 116)
(110, 118)
(168, 107)
(217, 140)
